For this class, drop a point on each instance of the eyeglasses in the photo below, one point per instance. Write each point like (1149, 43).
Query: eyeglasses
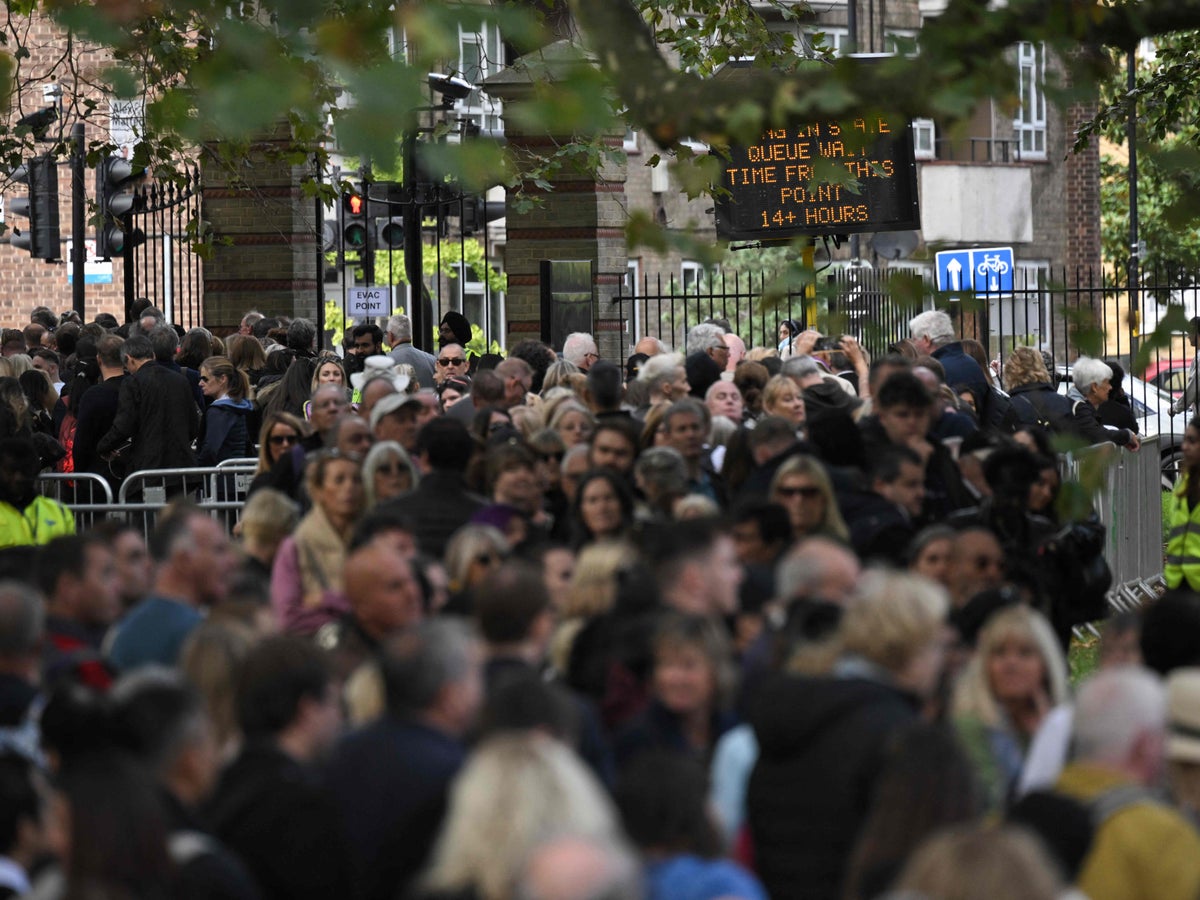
(592, 355)
(204, 379)
(808, 492)
(444, 361)
(486, 559)
(393, 468)
(278, 440)
(552, 457)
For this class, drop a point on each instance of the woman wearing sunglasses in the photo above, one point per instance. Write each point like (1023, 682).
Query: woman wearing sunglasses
(801, 486)
(280, 432)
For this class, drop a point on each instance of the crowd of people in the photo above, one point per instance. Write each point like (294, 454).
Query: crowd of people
(781, 621)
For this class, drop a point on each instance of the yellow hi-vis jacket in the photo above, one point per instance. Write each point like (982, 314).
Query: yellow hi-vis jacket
(1183, 540)
(39, 523)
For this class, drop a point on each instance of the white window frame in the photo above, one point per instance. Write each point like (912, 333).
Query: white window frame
(484, 110)
(836, 38)
(924, 139)
(922, 270)
(1030, 123)
(631, 290)
(630, 142)
(909, 35)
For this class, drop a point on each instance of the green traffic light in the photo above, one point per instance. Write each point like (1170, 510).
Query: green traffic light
(355, 236)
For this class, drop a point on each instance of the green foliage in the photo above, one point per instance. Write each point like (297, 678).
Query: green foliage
(477, 346)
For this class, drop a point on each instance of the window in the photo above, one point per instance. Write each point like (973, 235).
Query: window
(924, 139)
(398, 44)
(900, 41)
(485, 309)
(1031, 121)
(480, 54)
(695, 275)
(1032, 277)
(836, 39)
(633, 278)
(630, 142)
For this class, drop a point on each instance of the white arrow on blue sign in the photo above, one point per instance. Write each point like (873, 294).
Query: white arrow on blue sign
(985, 270)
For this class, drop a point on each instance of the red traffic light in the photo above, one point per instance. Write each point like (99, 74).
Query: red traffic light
(355, 204)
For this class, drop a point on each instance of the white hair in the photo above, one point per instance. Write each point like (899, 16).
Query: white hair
(704, 336)
(1087, 371)
(401, 327)
(659, 369)
(933, 324)
(577, 346)
(1113, 709)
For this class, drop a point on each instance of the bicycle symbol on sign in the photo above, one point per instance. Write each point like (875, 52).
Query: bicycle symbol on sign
(993, 263)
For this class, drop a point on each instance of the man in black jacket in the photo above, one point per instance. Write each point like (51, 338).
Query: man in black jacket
(269, 805)
(441, 503)
(98, 406)
(156, 409)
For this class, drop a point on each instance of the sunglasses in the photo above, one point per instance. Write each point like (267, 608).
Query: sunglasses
(486, 559)
(552, 457)
(278, 440)
(451, 361)
(808, 493)
(394, 468)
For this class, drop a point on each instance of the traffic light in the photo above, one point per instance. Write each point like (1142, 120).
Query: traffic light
(354, 220)
(477, 212)
(114, 207)
(40, 206)
(389, 232)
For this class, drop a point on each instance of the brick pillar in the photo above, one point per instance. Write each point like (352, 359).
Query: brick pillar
(582, 217)
(265, 257)
(1082, 197)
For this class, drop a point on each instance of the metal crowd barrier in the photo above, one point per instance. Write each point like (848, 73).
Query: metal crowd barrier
(220, 489)
(1128, 500)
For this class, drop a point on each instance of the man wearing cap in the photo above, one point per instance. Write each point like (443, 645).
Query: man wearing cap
(397, 417)
(1142, 847)
(399, 338)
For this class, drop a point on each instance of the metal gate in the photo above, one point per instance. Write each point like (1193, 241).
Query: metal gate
(164, 269)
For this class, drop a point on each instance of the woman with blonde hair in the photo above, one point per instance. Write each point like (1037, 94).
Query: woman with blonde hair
(515, 790)
(573, 422)
(210, 659)
(1016, 677)
(472, 554)
(558, 375)
(593, 593)
(802, 486)
(388, 472)
(980, 862)
(279, 433)
(307, 578)
(819, 738)
(781, 397)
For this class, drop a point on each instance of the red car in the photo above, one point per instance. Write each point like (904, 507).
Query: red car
(1168, 374)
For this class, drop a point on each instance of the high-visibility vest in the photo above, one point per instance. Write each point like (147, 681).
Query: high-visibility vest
(1183, 540)
(39, 523)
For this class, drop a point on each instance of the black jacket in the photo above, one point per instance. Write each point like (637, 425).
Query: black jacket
(272, 812)
(97, 410)
(822, 742)
(390, 783)
(157, 410)
(1039, 404)
(440, 505)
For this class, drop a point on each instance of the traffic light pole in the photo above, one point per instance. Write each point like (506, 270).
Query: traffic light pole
(412, 245)
(78, 220)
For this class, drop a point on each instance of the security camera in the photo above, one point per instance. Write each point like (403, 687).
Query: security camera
(451, 87)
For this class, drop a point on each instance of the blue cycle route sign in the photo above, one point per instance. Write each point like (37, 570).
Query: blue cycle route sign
(984, 270)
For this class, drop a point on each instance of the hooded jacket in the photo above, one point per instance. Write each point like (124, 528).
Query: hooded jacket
(226, 434)
(822, 742)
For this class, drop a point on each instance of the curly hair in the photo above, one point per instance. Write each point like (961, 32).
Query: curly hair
(1025, 366)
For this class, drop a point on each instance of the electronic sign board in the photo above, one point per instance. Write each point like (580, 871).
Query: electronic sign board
(776, 189)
